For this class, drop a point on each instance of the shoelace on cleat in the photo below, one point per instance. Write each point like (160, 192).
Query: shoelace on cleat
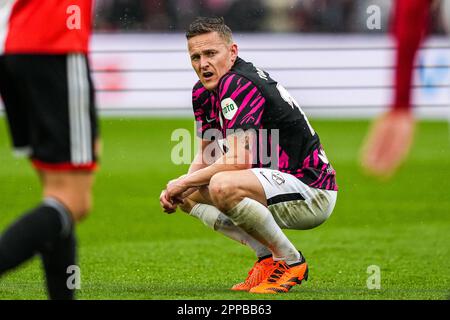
(280, 269)
(257, 272)
(252, 270)
(252, 273)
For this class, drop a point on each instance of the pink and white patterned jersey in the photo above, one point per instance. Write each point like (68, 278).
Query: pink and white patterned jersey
(248, 98)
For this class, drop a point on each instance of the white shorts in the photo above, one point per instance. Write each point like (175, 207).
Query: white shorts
(293, 204)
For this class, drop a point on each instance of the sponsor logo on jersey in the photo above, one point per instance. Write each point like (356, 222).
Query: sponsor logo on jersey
(229, 108)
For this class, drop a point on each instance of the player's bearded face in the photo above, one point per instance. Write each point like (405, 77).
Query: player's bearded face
(211, 57)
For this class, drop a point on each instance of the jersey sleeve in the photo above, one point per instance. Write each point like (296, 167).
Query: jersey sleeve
(202, 103)
(241, 103)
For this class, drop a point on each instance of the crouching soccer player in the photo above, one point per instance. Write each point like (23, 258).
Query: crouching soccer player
(235, 194)
(49, 102)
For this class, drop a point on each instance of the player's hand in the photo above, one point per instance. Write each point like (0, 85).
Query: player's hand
(177, 190)
(168, 205)
(388, 143)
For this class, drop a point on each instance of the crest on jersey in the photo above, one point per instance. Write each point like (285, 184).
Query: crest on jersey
(278, 178)
(229, 108)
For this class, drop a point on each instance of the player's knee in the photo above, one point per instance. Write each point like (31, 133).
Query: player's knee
(79, 205)
(82, 210)
(223, 191)
(72, 189)
(220, 186)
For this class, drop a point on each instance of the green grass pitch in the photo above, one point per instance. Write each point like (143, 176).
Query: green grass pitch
(130, 249)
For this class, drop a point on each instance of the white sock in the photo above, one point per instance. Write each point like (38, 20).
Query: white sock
(206, 213)
(216, 220)
(256, 220)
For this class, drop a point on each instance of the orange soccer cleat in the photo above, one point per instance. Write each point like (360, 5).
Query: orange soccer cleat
(283, 278)
(260, 271)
